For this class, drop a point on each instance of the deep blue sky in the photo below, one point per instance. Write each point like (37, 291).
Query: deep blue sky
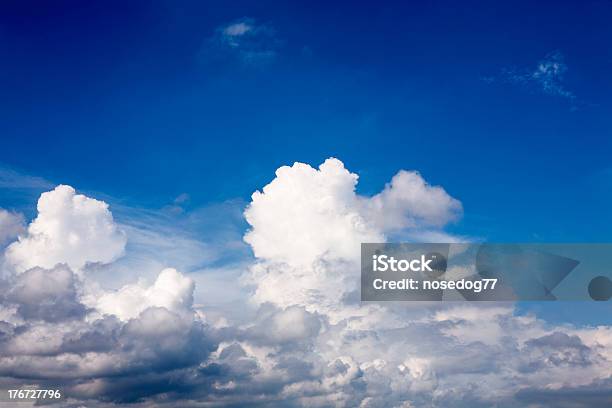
(126, 98)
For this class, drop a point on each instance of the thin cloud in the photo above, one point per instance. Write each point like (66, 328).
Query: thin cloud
(547, 77)
(245, 41)
(14, 180)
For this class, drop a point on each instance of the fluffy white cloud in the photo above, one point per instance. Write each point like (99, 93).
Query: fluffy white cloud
(70, 228)
(171, 290)
(307, 226)
(11, 225)
(305, 213)
(409, 202)
(60, 327)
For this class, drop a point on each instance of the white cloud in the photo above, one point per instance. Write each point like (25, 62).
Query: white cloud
(305, 229)
(11, 225)
(244, 40)
(70, 228)
(548, 76)
(14, 180)
(51, 329)
(307, 226)
(275, 326)
(310, 341)
(305, 213)
(238, 29)
(410, 202)
(171, 290)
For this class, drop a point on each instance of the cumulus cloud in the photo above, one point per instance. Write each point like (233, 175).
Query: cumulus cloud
(244, 40)
(11, 226)
(306, 214)
(408, 201)
(281, 326)
(50, 295)
(70, 228)
(49, 336)
(58, 329)
(171, 290)
(307, 226)
(310, 342)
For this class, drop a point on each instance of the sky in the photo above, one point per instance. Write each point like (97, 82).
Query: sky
(173, 114)
(141, 101)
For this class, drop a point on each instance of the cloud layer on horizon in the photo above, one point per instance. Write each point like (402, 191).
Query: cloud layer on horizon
(310, 341)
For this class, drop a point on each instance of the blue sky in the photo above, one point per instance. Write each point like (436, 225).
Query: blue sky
(124, 99)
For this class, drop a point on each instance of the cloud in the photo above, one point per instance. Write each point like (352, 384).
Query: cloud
(70, 228)
(548, 76)
(50, 295)
(243, 40)
(11, 225)
(409, 202)
(58, 328)
(307, 226)
(302, 337)
(14, 180)
(275, 326)
(305, 214)
(171, 290)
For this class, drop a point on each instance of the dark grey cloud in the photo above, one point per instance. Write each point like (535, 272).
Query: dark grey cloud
(557, 349)
(595, 395)
(54, 339)
(49, 295)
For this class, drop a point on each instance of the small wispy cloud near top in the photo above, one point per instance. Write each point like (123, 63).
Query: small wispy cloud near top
(547, 77)
(243, 40)
(12, 179)
(237, 30)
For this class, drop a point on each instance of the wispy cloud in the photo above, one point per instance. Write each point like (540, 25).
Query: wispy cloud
(19, 190)
(547, 77)
(243, 40)
(12, 179)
